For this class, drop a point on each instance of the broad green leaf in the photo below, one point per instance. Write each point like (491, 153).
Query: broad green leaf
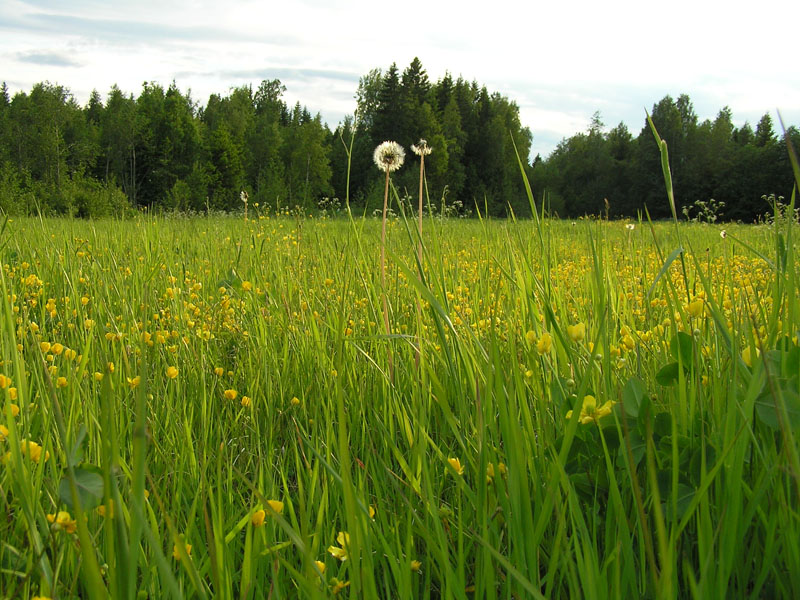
(632, 396)
(768, 412)
(89, 482)
(668, 374)
(681, 347)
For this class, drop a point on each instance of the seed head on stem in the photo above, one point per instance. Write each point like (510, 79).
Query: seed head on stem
(388, 157)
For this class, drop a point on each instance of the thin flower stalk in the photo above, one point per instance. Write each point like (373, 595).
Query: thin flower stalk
(421, 149)
(388, 157)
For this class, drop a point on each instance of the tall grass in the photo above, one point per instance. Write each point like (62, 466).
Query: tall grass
(684, 485)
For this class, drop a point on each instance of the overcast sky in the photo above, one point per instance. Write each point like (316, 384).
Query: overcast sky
(559, 61)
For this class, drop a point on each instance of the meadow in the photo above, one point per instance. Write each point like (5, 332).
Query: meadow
(211, 407)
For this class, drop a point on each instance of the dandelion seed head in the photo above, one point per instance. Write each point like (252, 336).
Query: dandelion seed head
(421, 148)
(723, 234)
(630, 226)
(389, 156)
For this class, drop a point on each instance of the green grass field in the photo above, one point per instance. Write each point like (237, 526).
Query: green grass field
(211, 407)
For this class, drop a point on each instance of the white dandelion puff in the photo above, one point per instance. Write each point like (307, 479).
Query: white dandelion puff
(723, 234)
(421, 148)
(389, 156)
(630, 226)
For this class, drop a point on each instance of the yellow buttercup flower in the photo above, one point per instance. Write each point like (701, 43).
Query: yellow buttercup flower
(134, 383)
(695, 308)
(591, 412)
(320, 565)
(231, 394)
(63, 521)
(172, 372)
(576, 332)
(544, 343)
(341, 552)
(415, 565)
(103, 511)
(3, 433)
(176, 552)
(455, 464)
(32, 450)
(246, 401)
(337, 586)
(747, 357)
(276, 505)
(258, 518)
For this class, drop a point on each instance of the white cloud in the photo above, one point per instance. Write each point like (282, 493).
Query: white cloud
(559, 61)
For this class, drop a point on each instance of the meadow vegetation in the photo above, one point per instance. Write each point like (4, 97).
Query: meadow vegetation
(213, 407)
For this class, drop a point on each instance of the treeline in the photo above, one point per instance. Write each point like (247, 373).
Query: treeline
(735, 167)
(162, 149)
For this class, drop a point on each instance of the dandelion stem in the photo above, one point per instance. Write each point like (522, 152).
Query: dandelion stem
(383, 268)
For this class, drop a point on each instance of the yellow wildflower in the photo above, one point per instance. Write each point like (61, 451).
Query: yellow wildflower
(172, 372)
(415, 565)
(219, 371)
(455, 464)
(176, 553)
(344, 542)
(544, 343)
(276, 505)
(695, 308)
(103, 511)
(63, 521)
(61, 382)
(258, 518)
(320, 565)
(591, 412)
(576, 332)
(246, 401)
(134, 383)
(337, 586)
(33, 450)
(231, 394)
(747, 357)
(3, 433)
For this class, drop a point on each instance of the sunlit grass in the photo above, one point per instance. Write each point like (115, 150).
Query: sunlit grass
(268, 436)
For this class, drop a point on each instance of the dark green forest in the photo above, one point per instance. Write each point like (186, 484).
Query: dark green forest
(163, 150)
